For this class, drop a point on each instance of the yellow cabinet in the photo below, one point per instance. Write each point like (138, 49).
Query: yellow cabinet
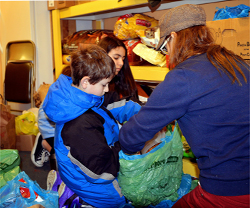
(101, 9)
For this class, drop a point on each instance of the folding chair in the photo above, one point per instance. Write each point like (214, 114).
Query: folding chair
(20, 73)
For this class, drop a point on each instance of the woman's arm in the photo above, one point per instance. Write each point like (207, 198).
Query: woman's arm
(168, 102)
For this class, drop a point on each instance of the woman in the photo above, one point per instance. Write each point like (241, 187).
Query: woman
(207, 92)
(123, 84)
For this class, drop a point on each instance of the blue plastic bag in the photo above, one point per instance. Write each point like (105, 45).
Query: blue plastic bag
(239, 11)
(11, 196)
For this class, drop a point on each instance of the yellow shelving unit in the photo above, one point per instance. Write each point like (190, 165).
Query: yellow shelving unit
(101, 9)
(147, 73)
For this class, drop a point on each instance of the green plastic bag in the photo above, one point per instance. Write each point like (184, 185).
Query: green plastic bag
(8, 176)
(155, 176)
(9, 165)
(9, 158)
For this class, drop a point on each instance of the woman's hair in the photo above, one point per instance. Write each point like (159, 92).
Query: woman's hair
(123, 82)
(197, 40)
(91, 61)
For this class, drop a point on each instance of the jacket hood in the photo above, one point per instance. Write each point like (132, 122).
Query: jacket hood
(64, 102)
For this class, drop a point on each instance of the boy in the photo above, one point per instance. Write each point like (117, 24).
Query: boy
(44, 144)
(86, 135)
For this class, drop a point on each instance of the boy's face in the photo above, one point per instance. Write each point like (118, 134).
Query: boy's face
(99, 88)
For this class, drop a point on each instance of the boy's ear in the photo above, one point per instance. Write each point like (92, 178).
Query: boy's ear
(84, 82)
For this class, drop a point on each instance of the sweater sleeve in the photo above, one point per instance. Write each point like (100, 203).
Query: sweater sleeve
(168, 102)
(45, 125)
(85, 138)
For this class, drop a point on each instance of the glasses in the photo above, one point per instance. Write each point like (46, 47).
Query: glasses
(163, 48)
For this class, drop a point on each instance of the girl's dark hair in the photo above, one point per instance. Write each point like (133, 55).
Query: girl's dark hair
(123, 82)
(197, 40)
(91, 61)
(66, 71)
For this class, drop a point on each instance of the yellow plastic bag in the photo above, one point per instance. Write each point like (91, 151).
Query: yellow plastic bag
(26, 124)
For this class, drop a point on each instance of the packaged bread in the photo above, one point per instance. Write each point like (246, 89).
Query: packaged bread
(133, 59)
(126, 25)
(71, 42)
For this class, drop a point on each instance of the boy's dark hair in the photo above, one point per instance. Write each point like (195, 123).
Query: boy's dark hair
(91, 61)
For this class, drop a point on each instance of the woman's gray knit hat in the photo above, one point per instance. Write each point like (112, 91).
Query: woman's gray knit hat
(179, 18)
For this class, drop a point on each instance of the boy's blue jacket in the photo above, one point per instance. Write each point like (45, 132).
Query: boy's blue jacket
(86, 144)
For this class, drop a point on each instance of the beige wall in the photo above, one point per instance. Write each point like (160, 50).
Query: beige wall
(27, 20)
(14, 25)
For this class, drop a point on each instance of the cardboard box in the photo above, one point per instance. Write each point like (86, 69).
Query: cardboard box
(25, 142)
(60, 4)
(37, 206)
(233, 34)
(51, 5)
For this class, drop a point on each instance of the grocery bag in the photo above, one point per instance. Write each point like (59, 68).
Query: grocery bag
(155, 176)
(9, 175)
(7, 128)
(239, 11)
(23, 192)
(9, 165)
(26, 124)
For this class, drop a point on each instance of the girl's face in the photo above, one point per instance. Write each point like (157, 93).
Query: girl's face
(118, 56)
